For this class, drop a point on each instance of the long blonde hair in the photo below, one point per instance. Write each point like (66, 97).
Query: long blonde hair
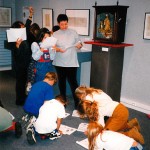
(93, 130)
(82, 91)
(88, 108)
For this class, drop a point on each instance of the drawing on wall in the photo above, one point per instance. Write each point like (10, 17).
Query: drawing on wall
(5, 17)
(79, 20)
(47, 15)
(146, 34)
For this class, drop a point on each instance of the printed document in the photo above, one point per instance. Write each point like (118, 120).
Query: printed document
(16, 33)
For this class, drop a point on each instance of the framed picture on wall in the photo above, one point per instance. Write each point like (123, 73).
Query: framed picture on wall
(79, 20)
(146, 34)
(47, 18)
(5, 17)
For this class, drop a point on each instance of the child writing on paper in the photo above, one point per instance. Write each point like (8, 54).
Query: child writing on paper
(49, 120)
(100, 139)
(43, 53)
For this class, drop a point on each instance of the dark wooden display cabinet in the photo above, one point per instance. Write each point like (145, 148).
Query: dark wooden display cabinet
(106, 67)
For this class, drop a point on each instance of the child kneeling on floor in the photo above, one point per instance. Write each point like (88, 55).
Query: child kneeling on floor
(100, 139)
(49, 120)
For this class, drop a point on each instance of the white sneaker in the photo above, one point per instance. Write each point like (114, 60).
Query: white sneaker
(31, 122)
(54, 135)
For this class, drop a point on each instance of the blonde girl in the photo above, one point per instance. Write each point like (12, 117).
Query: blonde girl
(96, 104)
(100, 139)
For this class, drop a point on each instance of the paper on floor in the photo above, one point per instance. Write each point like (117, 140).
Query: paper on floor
(84, 143)
(66, 129)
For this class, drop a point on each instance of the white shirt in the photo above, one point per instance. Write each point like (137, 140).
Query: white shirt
(110, 140)
(66, 40)
(48, 114)
(105, 103)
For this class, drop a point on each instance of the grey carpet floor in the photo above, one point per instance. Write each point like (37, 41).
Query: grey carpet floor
(66, 142)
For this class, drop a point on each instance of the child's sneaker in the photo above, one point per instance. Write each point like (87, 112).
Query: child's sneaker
(54, 135)
(31, 122)
(31, 136)
(18, 130)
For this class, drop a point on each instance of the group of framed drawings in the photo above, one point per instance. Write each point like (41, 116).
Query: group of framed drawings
(79, 19)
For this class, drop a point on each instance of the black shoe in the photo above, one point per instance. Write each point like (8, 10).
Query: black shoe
(54, 135)
(31, 136)
(18, 130)
(1, 104)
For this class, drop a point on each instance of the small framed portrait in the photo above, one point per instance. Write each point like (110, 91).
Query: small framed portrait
(146, 32)
(47, 18)
(5, 17)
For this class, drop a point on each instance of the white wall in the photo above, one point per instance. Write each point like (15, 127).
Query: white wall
(136, 72)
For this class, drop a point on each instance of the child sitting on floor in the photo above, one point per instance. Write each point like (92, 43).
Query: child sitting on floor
(100, 139)
(49, 120)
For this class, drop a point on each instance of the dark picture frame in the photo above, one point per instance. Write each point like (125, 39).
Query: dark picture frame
(47, 18)
(79, 20)
(5, 17)
(146, 32)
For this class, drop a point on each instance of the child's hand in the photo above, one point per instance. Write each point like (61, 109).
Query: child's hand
(31, 11)
(18, 42)
(60, 132)
(85, 132)
(41, 49)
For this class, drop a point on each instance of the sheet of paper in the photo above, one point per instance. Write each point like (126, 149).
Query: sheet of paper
(82, 127)
(14, 33)
(84, 143)
(66, 129)
(66, 115)
(48, 42)
(67, 47)
(75, 113)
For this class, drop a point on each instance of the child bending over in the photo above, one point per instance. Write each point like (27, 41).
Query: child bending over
(100, 139)
(96, 105)
(40, 92)
(49, 120)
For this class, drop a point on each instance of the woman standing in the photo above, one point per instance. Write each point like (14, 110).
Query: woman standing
(66, 61)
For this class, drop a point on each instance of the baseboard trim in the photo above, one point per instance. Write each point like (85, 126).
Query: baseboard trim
(136, 105)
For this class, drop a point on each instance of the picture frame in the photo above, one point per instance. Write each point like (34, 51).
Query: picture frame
(47, 18)
(79, 20)
(5, 17)
(146, 32)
